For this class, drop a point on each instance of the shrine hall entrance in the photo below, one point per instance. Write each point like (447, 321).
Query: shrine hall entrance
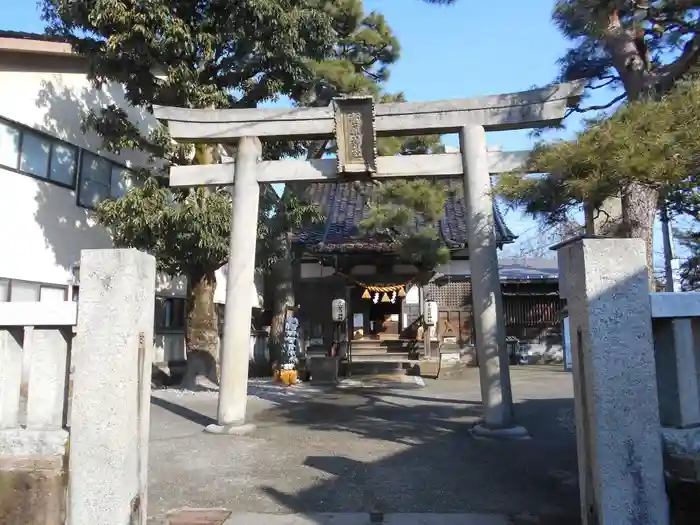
(374, 319)
(384, 319)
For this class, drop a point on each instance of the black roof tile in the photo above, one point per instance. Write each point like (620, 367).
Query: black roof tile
(345, 204)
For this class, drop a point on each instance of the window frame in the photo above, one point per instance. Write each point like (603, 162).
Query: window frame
(6, 299)
(23, 129)
(39, 286)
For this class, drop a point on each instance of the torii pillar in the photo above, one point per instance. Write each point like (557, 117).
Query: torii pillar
(354, 127)
(489, 323)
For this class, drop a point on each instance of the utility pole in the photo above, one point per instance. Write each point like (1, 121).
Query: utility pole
(671, 263)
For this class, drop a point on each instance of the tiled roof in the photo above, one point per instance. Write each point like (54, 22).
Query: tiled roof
(344, 204)
(528, 269)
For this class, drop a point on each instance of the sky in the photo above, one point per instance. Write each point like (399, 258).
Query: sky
(468, 49)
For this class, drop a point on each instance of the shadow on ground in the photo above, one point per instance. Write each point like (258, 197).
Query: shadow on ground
(440, 468)
(384, 451)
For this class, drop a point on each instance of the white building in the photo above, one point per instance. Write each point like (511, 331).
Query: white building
(51, 174)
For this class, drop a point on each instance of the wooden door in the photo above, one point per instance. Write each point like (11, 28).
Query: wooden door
(455, 325)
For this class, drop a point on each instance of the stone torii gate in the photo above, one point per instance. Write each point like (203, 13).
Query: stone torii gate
(354, 122)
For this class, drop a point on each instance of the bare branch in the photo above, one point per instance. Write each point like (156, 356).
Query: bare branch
(600, 107)
(610, 81)
(672, 72)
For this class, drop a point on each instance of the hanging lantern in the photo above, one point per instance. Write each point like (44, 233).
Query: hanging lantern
(385, 298)
(402, 292)
(366, 295)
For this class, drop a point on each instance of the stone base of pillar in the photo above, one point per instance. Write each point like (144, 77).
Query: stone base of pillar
(32, 490)
(240, 429)
(485, 432)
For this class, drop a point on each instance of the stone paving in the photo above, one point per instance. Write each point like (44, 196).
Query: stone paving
(399, 451)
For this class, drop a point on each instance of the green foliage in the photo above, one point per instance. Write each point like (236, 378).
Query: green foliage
(690, 270)
(653, 143)
(186, 231)
(220, 53)
(288, 214)
(359, 62)
(408, 212)
(156, 220)
(214, 53)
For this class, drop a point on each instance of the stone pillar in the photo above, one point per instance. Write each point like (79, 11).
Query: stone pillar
(677, 352)
(621, 476)
(489, 325)
(235, 349)
(110, 408)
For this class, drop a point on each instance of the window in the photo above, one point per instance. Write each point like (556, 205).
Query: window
(121, 182)
(170, 313)
(95, 176)
(9, 146)
(52, 294)
(101, 179)
(63, 164)
(34, 156)
(26, 291)
(33, 153)
(38, 155)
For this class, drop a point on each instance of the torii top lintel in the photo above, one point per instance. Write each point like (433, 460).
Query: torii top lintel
(527, 109)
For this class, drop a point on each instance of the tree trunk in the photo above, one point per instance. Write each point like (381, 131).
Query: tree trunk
(638, 201)
(283, 274)
(201, 333)
(639, 204)
(282, 299)
(202, 330)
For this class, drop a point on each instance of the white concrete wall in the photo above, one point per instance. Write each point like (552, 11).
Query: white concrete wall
(315, 270)
(43, 229)
(458, 267)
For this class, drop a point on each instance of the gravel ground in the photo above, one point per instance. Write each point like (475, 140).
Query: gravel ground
(400, 449)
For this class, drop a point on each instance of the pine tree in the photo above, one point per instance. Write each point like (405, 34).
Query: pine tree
(690, 270)
(409, 211)
(640, 48)
(651, 143)
(210, 53)
(359, 64)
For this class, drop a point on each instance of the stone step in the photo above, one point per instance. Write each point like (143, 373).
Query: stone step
(364, 518)
(377, 350)
(381, 357)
